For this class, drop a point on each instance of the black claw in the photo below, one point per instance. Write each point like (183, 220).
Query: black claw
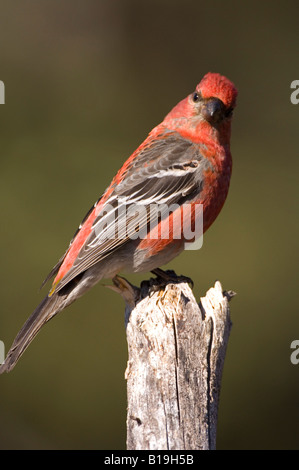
(165, 277)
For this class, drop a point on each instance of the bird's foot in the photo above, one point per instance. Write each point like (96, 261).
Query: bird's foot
(166, 277)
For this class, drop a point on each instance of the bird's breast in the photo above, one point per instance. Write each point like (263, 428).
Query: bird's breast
(216, 180)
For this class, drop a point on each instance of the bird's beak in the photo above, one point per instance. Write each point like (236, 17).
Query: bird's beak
(212, 109)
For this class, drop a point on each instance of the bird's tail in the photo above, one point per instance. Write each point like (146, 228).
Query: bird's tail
(46, 310)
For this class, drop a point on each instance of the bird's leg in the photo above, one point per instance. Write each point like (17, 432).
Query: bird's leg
(129, 293)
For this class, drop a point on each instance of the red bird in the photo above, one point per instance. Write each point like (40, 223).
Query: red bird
(184, 160)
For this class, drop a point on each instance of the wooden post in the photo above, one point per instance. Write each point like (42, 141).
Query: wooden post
(176, 355)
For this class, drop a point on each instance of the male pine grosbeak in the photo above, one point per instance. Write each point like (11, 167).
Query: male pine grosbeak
(184, 160)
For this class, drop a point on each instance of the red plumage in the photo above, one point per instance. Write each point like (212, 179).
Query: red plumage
(185, 160)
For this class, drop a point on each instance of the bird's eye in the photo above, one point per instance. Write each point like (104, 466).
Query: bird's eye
(195, 97)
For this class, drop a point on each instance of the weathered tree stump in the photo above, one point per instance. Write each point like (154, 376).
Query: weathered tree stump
(176, 351)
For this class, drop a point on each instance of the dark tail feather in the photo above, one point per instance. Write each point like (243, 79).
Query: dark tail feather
(48, 307)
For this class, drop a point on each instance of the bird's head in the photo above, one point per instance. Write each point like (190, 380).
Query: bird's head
(214, 99)
(209, 107)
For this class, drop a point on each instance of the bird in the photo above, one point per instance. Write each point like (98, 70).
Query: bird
(184, 161)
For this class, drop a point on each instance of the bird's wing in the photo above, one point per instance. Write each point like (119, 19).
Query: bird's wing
(167, 171)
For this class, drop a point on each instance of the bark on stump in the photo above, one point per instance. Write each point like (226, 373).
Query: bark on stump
(176, 350)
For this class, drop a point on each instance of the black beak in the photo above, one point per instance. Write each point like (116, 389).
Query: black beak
(212, 110)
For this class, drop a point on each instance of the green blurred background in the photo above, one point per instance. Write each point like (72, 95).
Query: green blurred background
(85, 82)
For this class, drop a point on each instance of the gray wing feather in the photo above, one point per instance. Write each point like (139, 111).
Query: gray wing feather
(166, 172)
